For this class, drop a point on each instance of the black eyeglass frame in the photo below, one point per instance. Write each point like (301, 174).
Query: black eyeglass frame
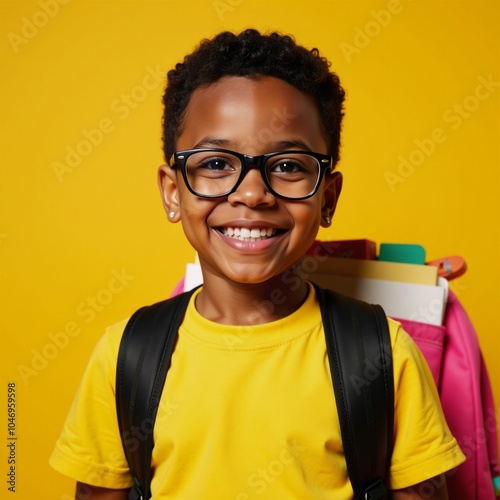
(180, 158)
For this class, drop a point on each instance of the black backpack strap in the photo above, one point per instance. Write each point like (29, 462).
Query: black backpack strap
(143, 361)
(360, 355)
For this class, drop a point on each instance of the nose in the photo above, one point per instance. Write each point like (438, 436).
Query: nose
(252, 191)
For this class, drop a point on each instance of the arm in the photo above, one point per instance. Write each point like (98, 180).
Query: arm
(433, 489)
(88, 492)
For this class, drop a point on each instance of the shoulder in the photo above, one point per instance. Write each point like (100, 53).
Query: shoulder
(104, 356)
(408, 360)
(109, 343)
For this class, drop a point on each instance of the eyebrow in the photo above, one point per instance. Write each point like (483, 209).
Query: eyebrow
(293, 144)
(211, 142)
(225, 143)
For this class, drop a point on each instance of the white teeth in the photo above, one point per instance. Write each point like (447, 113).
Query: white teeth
(246, 234)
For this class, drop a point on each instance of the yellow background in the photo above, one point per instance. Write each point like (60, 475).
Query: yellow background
(411, 70)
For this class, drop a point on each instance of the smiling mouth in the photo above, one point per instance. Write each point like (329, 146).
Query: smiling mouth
(247, 234)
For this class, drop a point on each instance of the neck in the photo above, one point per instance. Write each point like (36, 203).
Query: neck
(231, 303)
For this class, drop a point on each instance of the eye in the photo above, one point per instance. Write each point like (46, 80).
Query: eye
(216, 164)
(212, 165)
(288, 166)
(292, 168)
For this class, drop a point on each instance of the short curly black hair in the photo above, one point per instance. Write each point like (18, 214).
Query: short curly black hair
(253, 54)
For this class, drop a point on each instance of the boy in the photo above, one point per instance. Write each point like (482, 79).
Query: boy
(247, 410)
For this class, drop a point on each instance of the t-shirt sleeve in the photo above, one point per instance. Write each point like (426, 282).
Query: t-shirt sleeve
(423, 444)
(89, 448)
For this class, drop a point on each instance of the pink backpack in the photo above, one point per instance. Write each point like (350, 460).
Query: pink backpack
(453, 354)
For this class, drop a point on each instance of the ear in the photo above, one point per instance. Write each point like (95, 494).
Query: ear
(331, 193)
(167, 182)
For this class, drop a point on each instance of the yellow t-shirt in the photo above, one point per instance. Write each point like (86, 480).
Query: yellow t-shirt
(249, 412)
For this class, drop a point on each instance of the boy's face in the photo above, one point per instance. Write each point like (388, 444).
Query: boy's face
(252, 117)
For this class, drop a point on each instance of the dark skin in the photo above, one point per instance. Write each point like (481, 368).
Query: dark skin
(236, 274)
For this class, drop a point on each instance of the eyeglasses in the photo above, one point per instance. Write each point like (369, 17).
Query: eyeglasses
(214, 173)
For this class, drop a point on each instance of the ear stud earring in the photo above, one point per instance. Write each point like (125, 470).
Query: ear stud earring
(328, 220)
(171, 215)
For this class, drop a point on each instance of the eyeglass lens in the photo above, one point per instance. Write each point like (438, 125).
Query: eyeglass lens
(293, 175)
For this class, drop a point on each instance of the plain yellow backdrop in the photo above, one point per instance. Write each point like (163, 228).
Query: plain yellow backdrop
(83, 237)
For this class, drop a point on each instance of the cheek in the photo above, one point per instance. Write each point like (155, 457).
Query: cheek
(192, 207)
(307, 219)
(311, 211)
(195, 212)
